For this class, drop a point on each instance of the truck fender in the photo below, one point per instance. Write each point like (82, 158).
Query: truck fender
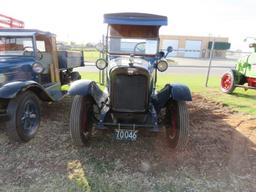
(81, 87)
(12, 89)
(180, 92)
(88, 88)
(177, 92)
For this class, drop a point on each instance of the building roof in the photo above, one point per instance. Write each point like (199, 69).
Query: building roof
(135, 19)
(23, 32)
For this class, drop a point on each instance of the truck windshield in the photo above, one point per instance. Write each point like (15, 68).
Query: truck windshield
(127, 46)
(16, 46)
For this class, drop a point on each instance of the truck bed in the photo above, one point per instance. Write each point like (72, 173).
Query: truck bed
(70, 59)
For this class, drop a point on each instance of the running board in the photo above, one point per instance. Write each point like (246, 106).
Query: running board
(245, 86)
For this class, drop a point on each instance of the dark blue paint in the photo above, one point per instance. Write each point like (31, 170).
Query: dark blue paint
(135, 19)
(18, 74)
(180, 92)
(19, 68)
(177, 92)
(88, 88)
(11, 89)
(81, 87)
(32, 31)
(16, 71)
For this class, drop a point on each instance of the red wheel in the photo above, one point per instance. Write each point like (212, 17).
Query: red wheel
(227, 82)
(177, 124)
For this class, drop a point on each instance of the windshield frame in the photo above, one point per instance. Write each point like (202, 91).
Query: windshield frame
(140, 40)
(32, 37)
(157, 39)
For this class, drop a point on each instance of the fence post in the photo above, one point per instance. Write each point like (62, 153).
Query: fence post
(210, 63)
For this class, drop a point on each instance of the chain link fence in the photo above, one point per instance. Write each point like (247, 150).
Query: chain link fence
(202, 64)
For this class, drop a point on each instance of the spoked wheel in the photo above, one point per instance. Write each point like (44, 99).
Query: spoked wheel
(228, 82)
(80, 120)
(177, 124)
(24, 113)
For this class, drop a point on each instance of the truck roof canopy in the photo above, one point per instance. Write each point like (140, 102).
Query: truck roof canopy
(135, 19)
(23, 32)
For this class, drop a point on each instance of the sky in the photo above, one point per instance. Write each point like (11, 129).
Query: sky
(81, 21)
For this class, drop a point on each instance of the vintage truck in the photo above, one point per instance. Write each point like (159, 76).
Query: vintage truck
(243, 76)
(31, 70)
(130, 59)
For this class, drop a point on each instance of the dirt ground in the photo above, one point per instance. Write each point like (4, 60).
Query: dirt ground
(221, 156)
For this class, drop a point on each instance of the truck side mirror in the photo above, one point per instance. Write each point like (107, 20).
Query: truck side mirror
(168, 50)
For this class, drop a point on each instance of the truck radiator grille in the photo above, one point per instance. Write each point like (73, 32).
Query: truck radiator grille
(129, 93)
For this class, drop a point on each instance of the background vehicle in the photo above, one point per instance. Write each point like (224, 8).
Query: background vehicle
(10, 22)
(130, 102)
(31, 69)
(243, 76)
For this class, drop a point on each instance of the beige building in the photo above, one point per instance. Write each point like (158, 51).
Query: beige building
(191, 46)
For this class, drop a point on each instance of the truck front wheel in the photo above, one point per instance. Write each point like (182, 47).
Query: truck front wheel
(81, 120)
(24, 117)
(177, 124)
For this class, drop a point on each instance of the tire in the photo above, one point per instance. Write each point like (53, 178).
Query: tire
(24, 117)
(177, 124)
(227, 83)
(80, 120)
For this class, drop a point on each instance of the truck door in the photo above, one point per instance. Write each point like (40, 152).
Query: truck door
(47, 56)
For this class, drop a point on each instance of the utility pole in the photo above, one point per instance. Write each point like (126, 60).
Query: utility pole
(210, 63)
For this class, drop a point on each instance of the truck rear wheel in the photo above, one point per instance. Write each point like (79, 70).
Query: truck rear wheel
(177, 124)
(80, 120)
(24, 117)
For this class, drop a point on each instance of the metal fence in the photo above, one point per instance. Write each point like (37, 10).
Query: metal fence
(213, 65)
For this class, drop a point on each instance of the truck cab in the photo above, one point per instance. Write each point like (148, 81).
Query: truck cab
(31, 69)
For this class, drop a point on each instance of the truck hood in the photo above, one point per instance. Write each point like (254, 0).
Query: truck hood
(7, 63)
(15, 69)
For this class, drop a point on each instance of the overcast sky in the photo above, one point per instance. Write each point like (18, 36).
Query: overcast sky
(82, 21)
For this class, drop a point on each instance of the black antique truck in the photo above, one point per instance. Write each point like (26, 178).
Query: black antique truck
(31, 70)
(130, 101)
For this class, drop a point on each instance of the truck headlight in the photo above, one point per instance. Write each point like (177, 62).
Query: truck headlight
(2, 78)
(101, 64)
(162, 65)
(37, 68)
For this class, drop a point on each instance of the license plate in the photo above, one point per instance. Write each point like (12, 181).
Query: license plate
(125, 134)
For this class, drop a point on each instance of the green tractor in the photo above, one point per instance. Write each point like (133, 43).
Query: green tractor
(244, 75)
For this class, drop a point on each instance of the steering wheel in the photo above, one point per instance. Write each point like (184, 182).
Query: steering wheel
(26, 52)
(136, 47)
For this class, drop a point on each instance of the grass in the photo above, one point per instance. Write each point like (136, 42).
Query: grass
(91, 55)
(240, 100)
